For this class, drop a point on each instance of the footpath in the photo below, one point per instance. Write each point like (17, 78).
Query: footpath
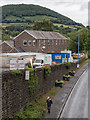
(61, 97)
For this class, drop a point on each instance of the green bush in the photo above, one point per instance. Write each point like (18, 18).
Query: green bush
(68, 65)
(47, 69)
(33, 83)
(17, 72)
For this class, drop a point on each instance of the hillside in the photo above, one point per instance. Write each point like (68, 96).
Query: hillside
(31, 13)
(17, 18)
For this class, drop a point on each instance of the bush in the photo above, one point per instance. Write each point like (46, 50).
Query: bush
(47, 69)
(68, 65)
(17, 72)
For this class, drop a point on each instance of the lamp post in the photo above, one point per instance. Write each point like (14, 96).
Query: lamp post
(78, 50)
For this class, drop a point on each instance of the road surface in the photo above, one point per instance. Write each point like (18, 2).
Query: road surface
(77, 104)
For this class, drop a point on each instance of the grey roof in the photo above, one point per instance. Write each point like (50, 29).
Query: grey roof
(45, 35)
(10, 42)
(19, 49)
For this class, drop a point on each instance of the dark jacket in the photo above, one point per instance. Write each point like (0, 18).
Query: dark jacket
(49, 102)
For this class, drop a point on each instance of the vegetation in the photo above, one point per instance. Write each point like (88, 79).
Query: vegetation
(44, 25)
(33, 83)
(68, 65)
(37, 109)
(17, 72)
(24, 13)
(84, 39)
(47, 69)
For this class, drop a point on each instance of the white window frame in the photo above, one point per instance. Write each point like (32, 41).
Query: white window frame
(29, 43)
(56, 42)
(62, 42)
(52, 42)
(34, 42)
(39, 42)
(59, 42)
(48, 42)
(44, 42)
(24, 42)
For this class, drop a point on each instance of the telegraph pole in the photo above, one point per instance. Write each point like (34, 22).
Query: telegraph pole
(78, 50)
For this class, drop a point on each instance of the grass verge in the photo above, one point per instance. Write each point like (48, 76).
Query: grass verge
(37, 109)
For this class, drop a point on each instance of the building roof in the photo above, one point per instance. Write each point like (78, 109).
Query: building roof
(9, 42)
(43, 34)
(19, 49)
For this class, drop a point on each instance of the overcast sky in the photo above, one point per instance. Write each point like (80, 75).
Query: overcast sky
(77, 10)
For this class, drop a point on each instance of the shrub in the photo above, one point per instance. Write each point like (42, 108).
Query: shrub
(17, 72)
(47, 69)
(68, 65)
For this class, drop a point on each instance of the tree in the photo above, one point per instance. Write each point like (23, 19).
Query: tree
(44, 25)
(73, 42)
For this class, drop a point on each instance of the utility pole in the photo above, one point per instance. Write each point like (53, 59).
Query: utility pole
(78, 50)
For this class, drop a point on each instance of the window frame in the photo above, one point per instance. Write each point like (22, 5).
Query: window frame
(48, 42)
(34, 42)
(24, 43)
(29, 44)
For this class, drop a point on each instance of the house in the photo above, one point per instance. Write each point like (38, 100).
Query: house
(8, 47)
(41, 41)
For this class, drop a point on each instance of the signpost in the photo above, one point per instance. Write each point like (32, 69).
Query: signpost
(27, 75)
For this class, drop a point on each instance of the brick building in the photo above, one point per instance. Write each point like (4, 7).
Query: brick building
(41, 41)
(8, 47)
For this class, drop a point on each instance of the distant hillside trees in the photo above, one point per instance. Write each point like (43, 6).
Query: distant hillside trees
(44, 25)
(22, 13)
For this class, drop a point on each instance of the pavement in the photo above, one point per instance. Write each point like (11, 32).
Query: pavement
(61, 97)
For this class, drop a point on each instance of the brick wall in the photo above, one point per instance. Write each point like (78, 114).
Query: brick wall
(5, 48)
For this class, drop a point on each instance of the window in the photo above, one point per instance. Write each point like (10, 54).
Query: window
(62, 42)
(44, 42)
(29, 42)
(48, 42)
(34, 42)
(52, 42)
(25, 42)
(39, 42)
(56, 42)
(59, 42)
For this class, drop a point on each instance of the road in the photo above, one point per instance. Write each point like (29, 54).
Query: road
(77, 103)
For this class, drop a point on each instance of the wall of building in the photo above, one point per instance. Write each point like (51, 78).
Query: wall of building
(48, 48)
(5, 48)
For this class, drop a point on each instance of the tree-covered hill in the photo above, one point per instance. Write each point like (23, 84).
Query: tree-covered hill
(31, 13)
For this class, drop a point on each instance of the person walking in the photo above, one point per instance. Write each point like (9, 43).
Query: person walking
(49, 102)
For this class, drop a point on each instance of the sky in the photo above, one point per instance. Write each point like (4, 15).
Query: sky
(76, 10)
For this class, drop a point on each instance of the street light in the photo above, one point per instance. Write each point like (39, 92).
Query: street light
(78, 50)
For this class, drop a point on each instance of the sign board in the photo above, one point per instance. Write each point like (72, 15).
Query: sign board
(13, 64)
(27, 75)
(48, 59)
(17, 64)
(58, 57)
(21, 64)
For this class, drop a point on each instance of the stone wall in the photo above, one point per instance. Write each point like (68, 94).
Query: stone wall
(15, 92)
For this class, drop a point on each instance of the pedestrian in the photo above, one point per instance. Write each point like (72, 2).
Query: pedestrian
(49, 102)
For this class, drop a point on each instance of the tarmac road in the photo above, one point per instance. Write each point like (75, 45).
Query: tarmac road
(77, 104)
